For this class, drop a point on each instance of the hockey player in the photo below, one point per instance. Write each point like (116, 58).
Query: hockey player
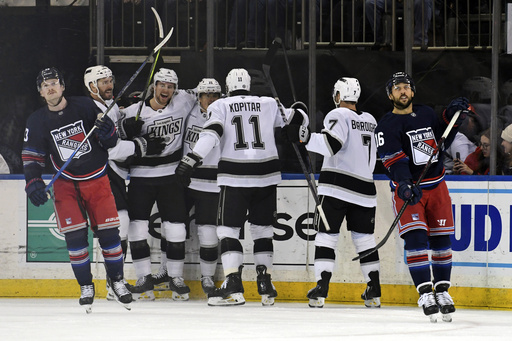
(346, 187)
(99, 80)
(203, 193)
(242, 126)
(152, 180)
(406, 138)
(83, 191)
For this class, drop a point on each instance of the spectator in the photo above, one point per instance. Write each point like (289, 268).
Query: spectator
(460, 148)
(506, 135)
(477, 163)
(422, 16)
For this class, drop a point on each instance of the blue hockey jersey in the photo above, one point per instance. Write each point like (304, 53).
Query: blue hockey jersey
(56, 135)
(406, 142)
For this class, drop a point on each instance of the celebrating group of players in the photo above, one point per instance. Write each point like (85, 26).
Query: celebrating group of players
(196, 148)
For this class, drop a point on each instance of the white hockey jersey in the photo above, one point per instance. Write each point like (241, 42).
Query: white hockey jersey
(243, 128)
(168, 123)
(123, 149)
(347, 174)
(204, 177)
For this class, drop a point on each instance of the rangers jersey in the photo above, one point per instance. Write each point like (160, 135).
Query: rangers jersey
(57, 135)
(204, 178)
(406, 142)
(123, 149)
(168, 123)
(243, 128)
(348, 145)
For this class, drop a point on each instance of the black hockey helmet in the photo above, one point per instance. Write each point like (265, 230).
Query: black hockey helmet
(48, 73)
(397, 78)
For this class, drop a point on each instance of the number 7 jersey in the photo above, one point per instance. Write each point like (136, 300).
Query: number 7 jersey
(347, 143)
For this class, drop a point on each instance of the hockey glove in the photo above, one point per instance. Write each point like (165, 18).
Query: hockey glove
(130, 128)
(406, 190)
(300, 114)
(462, 104)
(148, 145)
(185, 168)
(106, 131)
(295, 133)
(35, 191)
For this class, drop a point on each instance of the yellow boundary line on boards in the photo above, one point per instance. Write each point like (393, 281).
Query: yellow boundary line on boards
(346, 293)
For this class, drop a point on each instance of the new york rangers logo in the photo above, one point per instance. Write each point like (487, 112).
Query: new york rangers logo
(68, 138)
(166, 128)
(423, 144)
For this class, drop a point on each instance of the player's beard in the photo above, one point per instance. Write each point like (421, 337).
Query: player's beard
(401, 106)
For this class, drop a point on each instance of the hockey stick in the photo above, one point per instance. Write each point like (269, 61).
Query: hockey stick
(161, 35)
(266, 70)
(130, 81)
(440, 146)
(292, 88)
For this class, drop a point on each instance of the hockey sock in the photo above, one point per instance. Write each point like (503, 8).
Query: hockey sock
(77, 245)
(264, 252)
(441, 258)
(208, 260)
(324, 261)
(232, 254)
(368, 264)
(141, 258)
(112, 252)
(175, 258)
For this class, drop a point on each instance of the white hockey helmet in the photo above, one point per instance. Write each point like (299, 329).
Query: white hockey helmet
(166, 75)
(93, 73)
(208, 85)
(238, 79)
(348, 88)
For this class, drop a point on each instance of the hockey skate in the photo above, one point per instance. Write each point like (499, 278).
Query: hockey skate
(265, 287)
(143, 289)
(318, 294)
(428, 302)
(122, 294)
(207, 284)
(179, 289)
(230, 292)
(444, 300)
(87, 297)
(371, 295)
(110, 292)
(160, 279)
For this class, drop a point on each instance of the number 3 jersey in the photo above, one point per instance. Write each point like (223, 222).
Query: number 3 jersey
(348, 146)
(243, 128)
(58, 135)
(406, 143)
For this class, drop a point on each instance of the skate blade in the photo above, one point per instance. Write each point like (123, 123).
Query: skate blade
(447, 317)
(231, 300)
(145, 296)
(88, 308)
(110, 297)
(372, 303)
(127, 306)
(179, 297)
(317, 302)
(162, 287)
(266, 300)
(433, 318)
